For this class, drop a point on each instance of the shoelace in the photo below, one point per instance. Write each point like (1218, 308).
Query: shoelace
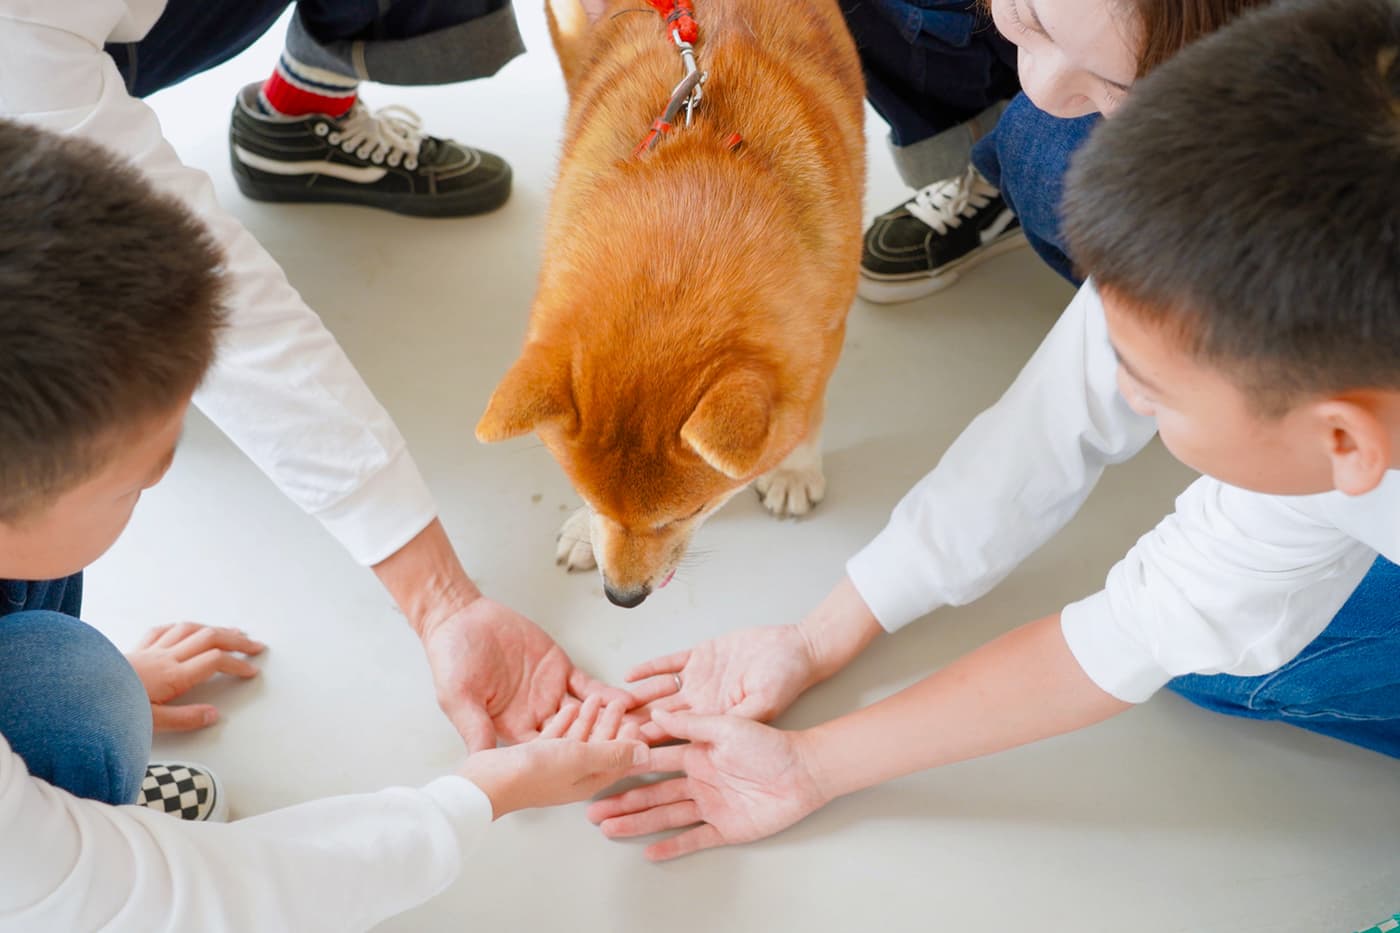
(390, 134)
(945, 203)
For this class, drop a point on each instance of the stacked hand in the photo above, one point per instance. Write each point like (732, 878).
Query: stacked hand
(171, 659)
(755, 673)
(742, 781)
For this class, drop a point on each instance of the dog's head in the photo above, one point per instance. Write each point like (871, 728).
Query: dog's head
(652, 452)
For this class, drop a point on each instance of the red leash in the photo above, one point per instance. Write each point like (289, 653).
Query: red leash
(681, 14)
(685, 32)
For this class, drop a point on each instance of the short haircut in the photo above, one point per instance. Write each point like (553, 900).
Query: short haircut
(110, 308)
(1247, 198)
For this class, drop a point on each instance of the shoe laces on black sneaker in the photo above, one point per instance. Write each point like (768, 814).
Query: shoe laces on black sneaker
(947, 203)
(392, 134)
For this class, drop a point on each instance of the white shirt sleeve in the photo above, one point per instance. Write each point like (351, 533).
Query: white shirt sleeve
(282, 389)
(1232, 582)
(1011, 480)
(340, 864)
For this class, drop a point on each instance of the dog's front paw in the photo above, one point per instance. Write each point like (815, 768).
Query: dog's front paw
(790, 491)
(574, 550)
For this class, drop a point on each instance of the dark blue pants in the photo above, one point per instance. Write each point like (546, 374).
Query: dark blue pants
(1345, 684)
(394, 41)
(71, 706)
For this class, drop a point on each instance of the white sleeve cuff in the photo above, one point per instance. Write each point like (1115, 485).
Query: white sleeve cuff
(384, 513)
(885, 577)
(466, 807)
(1118, 664)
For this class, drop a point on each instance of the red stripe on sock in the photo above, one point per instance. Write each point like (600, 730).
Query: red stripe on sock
(291, 101)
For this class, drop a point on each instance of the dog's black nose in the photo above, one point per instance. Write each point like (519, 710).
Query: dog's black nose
(627, 599)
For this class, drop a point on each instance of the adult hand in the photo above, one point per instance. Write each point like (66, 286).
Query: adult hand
(758, 672)
(581, 750)
(171, 659)
(742, 781)
(500, 676)
(755, 673)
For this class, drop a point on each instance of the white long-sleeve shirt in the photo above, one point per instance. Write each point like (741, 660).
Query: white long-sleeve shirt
(282, 389)
(1231, 582)
(340, 864)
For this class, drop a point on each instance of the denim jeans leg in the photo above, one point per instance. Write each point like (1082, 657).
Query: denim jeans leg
(1027, 156)
(72, 706)
(937, 72)
(1345, 684)
(394, 41)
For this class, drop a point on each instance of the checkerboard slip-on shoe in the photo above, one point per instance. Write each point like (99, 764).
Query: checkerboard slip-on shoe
(184, 790)
(923, 245)
(378, 158)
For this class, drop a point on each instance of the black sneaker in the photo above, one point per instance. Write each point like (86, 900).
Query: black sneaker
(381, 159)
(185, 791)
(922, 245)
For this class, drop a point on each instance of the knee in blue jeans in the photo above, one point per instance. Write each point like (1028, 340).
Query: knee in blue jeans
(72, 706)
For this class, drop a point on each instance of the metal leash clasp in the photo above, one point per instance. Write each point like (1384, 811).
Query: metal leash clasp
(689, 92)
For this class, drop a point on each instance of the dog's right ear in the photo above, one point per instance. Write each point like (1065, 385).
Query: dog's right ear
(534, 392)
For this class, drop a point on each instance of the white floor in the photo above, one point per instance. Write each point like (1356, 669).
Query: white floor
(1165, 819)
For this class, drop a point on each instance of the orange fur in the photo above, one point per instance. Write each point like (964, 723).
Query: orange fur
(692, 301)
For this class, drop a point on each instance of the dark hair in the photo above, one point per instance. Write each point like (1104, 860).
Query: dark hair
(110, 306)
(1247, 199)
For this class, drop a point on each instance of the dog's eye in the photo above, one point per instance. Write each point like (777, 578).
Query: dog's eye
(686, 518)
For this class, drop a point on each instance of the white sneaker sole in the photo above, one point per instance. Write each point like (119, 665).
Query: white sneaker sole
(890, 290)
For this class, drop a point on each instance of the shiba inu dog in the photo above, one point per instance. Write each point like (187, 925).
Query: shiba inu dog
(695, 280)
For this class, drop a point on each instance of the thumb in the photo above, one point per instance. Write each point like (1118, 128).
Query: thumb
(694, 728)
(473, 725)
(182, 718)
(616, 755)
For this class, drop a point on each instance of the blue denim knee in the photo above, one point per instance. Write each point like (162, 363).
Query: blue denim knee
(72, 706)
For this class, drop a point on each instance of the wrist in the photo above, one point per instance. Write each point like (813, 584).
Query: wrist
(837, 630)
(426, 580)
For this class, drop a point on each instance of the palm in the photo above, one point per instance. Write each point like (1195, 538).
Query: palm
(750, 784)
(499, 674)
(755, 673)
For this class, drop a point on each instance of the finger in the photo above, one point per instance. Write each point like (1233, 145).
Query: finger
(176, 633)
(560, 722)
(609, 720)
(631, 732)
(151, 635)
(583, 687)
(655, 688)
(203, 666)
(614, 760)
(656, 820)
(695, 728)
(639, 798)
(225, 639)
(670, 664)
(182, 718)
(669, 758)
(752, 707)
(701, 837)
(587, 716)
(653, 733)
(472, 724)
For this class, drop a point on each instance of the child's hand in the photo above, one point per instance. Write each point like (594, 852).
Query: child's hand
(173, 658)
(582, 750)
(743, 781)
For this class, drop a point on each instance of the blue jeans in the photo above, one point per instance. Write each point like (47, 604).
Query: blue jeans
(71, 706)
(393, 41)
(1027, 155)
(1345, 684)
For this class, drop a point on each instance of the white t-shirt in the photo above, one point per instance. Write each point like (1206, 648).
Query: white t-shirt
(1232, 582)
(341, 864)
(282, 389)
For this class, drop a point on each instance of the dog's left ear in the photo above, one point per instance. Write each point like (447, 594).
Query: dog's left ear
(729, 428)
(535, 391)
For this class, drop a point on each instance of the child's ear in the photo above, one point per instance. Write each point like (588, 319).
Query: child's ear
(1359, 444)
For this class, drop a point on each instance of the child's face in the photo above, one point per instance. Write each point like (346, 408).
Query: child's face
(1075, 57)
(1207, 422)
(82, 523)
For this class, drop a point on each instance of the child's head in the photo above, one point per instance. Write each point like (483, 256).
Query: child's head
(1077, 57)
(1241, 218)
(109, 313)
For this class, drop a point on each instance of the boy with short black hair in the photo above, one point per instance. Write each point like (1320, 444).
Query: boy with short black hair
(1248, 310)
(110, 308)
